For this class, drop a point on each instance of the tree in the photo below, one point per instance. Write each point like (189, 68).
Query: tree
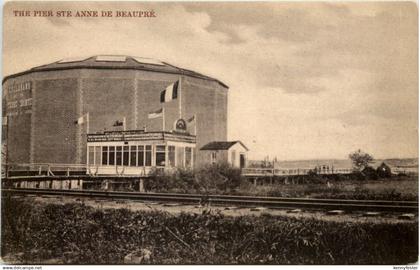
(360, 160)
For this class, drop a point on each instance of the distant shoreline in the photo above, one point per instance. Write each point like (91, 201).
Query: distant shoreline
(340, 163)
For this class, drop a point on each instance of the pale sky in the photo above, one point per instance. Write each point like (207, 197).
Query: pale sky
(307, 80)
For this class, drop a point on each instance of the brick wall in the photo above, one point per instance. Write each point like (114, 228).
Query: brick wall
(54, 112)
(209, 102)
(19, 122)
(107, 100)
(60, 97)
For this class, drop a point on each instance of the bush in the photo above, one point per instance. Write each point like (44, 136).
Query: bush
(178, 180)
(370, 173)
(215, 178)
(218, 177)
(384, 171)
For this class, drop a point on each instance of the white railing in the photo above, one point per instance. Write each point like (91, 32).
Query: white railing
(48, 169)
(286, 172)
(44, 168)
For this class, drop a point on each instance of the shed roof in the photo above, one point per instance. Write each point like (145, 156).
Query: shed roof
(221, 145)
(115, 62)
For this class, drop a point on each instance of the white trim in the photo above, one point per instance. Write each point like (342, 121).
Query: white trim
(131, 169)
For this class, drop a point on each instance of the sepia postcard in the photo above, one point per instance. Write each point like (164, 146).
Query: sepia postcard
(209, 133)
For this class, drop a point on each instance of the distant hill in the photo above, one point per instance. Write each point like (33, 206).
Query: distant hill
(312, 163)
(406, 162)
(338, 163)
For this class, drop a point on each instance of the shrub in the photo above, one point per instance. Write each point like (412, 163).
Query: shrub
(177, 180)
(218, 177)
(214, 178)
(384, 171)
(370, 173)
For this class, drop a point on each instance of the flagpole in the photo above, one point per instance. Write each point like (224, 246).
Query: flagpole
(180, 98)
(195, 124)
(87, 123)
(124, 125)
(163, 118)
(7, 144)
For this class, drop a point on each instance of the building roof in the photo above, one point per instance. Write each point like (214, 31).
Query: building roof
(116, 62)
(221, 145)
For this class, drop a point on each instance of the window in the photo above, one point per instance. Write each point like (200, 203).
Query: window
(118, 155)
(91, 154)
(140, 154)
(188, 157)
(104, 155)
(112, 155)
(180, 156)
(97, 155)
(213, 157)
(125, 155)
(160, 155)
(233, 157)
(193, 157)
(133, 155)
(148, 155)
(171, 156)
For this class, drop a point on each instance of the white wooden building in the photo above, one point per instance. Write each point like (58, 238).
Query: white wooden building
(137, 152)
(232, 152)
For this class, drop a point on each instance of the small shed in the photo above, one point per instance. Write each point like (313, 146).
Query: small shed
(232, 152)
(383, 170)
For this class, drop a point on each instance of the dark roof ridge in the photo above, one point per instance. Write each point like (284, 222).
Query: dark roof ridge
(88, 63)
(221, 145)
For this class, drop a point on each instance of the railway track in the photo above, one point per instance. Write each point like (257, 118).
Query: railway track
(229, 200)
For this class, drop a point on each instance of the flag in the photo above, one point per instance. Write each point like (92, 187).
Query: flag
(118, 123)
(170, 93)
(191, 119)
(155, 114)
(81, 120)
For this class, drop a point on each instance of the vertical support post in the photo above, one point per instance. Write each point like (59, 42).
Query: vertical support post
(180, 97)
(195, 124)
(163, 118)
(7, 144)
(87, 123)
(141, 185)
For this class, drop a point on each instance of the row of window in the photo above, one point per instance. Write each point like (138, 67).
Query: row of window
(140, 155)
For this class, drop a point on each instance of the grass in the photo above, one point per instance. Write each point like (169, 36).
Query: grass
(79, 234)
(384, 189)
(223, 179)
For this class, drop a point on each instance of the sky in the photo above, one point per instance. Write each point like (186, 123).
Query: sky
(306, 80)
